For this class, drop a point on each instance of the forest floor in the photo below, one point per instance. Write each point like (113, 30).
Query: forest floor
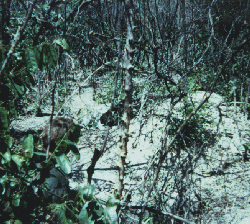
(220, 178)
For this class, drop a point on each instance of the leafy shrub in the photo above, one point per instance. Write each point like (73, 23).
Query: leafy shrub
(194, 133)
(32, 188)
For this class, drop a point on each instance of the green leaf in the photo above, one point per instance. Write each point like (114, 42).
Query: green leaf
(46, 55)
(83, 216)
(112, 201)
(19, 90)
(59, 210)
(2, 54)
(62, 42)
(6, 156)
(18, 55)
(92, 212)
(27, 78)
(13, 222)
(71, 146)
(39, 57)
(8, 140)
(8, 191)
(64, 163)
(110, 215)
(3, 180)
(16, 200)
(12, 109)
(28, 145)
(30, 59)
(30, 79)
(76, 128)
(87, 193)
(97, 209)
(4, 123)
(51, 56)
(40, 153)
(18, 160)
(69, 221)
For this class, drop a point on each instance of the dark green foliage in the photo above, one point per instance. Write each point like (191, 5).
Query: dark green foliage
(45, 55)
(13, 85)
(193, 134)
(63, 43)
(91, 213)
(32, 187)
(4, 122)
(76, 129)
(30, 59)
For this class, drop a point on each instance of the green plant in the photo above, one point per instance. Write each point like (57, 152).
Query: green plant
(28, 190)
(92, 123)
(194, 133)
(28, 182)
(27, 193)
